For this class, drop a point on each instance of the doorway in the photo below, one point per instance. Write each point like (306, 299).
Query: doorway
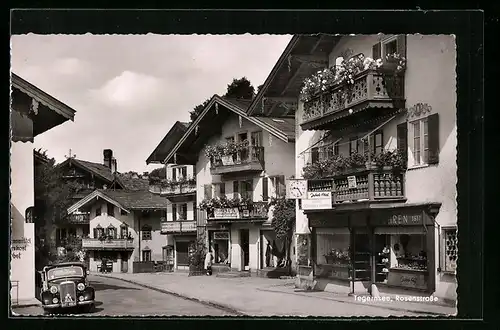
(362, 253)
(124, 265)
(245, 249)
(181, 250)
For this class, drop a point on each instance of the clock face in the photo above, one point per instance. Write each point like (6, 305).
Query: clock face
(298, 188)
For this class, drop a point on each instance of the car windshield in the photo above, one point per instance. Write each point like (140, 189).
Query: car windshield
(64, 272)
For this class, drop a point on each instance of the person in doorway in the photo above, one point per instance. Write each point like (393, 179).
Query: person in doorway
(269, 252)
(208, 262)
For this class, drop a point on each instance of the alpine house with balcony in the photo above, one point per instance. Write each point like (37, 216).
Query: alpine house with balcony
(177, 184)
(240, 162)
(125, 229)
(376, 143)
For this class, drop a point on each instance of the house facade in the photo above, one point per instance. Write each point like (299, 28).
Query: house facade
(239, 163)
(33, 112)
(125, 229)
(378, 156)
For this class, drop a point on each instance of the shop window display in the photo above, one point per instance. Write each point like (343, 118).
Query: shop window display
(382, 257)
(333, 254)
(219, 244)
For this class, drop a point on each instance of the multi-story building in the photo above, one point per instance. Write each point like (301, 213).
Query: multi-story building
(125, 228)
(33, 112)
(177, 184)
(378, 150)
(239, 163)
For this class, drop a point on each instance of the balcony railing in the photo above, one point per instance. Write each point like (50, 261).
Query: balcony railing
(107, 244)
(371, 89)
(258, 210)
(248, 159)
(168, 227)
(365, 185)
(173, 189)
(79, 218)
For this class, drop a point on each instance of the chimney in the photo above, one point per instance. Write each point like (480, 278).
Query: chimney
(145, 175)
(108, 156)
(114, 167)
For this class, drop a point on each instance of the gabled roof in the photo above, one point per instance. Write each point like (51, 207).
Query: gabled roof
(211, 118)
(97, 169)
(123, 199)
(168, 142)
(303, 56)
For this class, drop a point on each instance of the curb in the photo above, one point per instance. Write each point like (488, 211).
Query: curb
(359, 303)
(204, 302)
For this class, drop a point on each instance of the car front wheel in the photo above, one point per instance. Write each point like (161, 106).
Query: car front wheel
(88, 308)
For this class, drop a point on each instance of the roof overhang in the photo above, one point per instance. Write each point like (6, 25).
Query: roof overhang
(95, 195)
(167, 143)
(303, 56)
(32, 103)
(218, 108)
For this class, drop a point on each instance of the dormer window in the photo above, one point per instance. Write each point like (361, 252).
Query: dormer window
(98, 211)
(111, 210)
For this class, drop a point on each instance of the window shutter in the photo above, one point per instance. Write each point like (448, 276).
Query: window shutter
(401, 44)
(376, 51)
(433, 124)
(95, 233)
(208, 191)
(174, 212)
(402, 140)
(265, 189)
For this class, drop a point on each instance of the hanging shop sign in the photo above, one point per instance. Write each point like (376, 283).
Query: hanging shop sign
(351, 182)
(317, 203)
(400, 217)
(222, 235)
(226, 213)
(328, 220)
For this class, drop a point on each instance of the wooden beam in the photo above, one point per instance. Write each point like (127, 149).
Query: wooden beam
(281, 99)
(317, 59)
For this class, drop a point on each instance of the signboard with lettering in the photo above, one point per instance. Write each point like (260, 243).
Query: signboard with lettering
(407, 278)
(222, 235)
(399, 218)
(317, 204)
(351, 182)
(319, 195)
(226, 213)
(328, 220)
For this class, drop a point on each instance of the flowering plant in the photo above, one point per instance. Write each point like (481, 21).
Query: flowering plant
(340, 256)
(209, 204)
(345, 72)
(217, 151)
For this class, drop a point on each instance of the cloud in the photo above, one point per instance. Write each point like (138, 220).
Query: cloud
(129, 89)
(71, 66)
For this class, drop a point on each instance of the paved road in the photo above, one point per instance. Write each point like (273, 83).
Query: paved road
(115, 297)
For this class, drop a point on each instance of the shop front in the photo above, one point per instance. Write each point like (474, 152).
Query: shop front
(390, 247)
(182, 244)
(219, 241)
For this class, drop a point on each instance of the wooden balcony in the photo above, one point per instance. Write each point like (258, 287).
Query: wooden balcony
(373, 91)
(171, 227)
(250, 159)
(258, 211)
(372, 185)
(181, 188)
(79, 218)
(108, 244)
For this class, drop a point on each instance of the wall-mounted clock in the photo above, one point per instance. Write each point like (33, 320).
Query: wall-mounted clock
(297, 189)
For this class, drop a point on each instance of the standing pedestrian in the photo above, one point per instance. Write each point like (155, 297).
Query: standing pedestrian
(208, 262)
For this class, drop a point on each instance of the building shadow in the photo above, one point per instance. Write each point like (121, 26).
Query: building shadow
(100, 286)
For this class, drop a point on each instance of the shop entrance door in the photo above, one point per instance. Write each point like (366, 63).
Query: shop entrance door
(245, 248)
(181, 250)
(361, 255)
(124, 266)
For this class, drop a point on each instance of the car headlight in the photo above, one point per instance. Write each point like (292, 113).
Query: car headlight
(81, 286)
(55, 300)
(53, 289)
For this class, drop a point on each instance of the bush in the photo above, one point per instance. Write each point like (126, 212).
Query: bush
(197, 253)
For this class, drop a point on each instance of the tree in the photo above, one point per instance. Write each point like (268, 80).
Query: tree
(240, 89)
(259, 88)
(283, 222)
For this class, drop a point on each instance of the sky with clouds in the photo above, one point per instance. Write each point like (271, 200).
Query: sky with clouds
(129, 90)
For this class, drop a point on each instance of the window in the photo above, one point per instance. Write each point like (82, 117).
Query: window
(376, 143)
(98, 232)
(98, 211)
(111, 210)
(246, 189)
(450, 236)
(419, 140)
(207, 191)
(182, 172)
(256, 139)
(146, 232)
(183, 212)
(279, 187)
(220, 189)
(124, 231)
(314, 155)
(390, 47)
(174, 174)
(353, 145)
(174, 212)
(123, 212)
(111, 232)
(146, 255)
(236, 189)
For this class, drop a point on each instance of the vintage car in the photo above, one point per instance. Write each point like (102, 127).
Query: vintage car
(65, 285)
